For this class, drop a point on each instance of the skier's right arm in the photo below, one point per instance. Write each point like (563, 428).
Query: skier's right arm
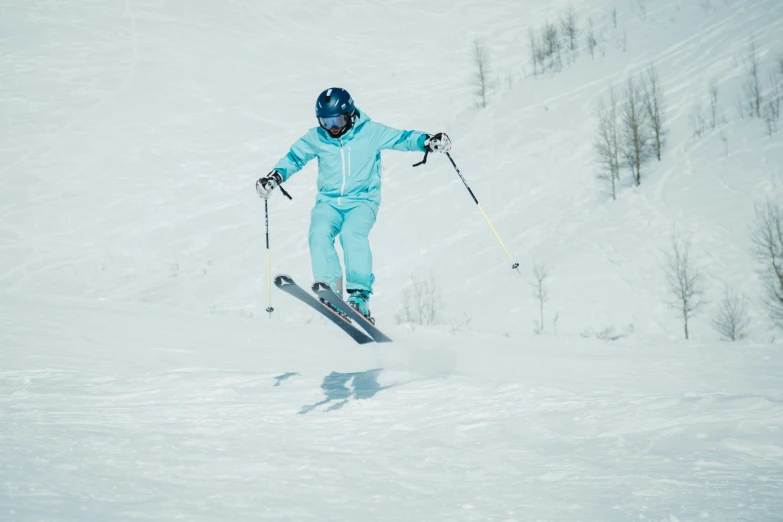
(298, 156)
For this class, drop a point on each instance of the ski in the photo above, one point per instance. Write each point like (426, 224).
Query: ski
(287, 285)
(323, 291)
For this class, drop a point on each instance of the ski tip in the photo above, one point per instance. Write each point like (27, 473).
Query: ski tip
(283, 279)
(320, 285)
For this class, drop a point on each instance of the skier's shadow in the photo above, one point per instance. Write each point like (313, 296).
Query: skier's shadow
(340, 387)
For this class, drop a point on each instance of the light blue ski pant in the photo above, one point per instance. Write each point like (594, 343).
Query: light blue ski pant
(353, 224)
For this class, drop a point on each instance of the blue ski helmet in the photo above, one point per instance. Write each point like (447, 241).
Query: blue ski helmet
(335, 111)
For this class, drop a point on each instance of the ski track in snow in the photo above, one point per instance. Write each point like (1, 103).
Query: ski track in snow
(140, 379)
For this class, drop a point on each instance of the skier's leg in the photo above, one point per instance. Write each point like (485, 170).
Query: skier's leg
(325, 223)
(354, 239)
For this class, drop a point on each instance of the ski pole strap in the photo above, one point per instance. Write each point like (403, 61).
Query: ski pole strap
(422, 162)
(286, 194)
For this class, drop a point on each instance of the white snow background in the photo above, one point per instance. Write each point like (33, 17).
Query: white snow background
(141, 379)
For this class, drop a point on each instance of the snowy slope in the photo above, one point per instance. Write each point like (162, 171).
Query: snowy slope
(125, 411)
(141, 379)
(177, 111)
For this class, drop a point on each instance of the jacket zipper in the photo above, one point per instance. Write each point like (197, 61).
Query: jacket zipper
(342, 158)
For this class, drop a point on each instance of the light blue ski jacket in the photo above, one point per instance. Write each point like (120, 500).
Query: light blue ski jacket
(349, 167)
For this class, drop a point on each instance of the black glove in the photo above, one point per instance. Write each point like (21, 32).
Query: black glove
(439, 142)
(267, 184)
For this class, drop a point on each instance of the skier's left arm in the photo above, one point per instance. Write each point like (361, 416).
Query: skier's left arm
(389, 138)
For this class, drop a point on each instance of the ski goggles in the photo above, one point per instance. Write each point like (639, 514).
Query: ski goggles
(334, 122)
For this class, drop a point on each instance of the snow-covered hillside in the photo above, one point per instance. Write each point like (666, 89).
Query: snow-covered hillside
(140, 377)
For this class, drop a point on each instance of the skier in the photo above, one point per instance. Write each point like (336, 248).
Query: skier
(348, 146)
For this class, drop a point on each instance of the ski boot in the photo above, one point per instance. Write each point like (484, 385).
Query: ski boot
(358, 301)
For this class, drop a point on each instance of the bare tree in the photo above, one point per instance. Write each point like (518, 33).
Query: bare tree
(569, 26)
(698, 123)
(607, 142)
(725, 141)
(635, 139)
(655, 108)
(481, 75)
(767, 238)
(540, 294)
(592, 43)
(752, 87)
(713, 103)
(772, 104)
(731, 321)
(535, 51)
(771, 117)
(542, 52)
(552, 46)
(642, 4)
(421, 301)
(685, 281)
(614, 17)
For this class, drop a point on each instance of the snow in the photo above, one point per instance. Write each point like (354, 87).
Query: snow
(140, 377)
(165, 414)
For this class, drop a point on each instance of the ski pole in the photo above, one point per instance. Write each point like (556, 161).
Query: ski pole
(514, 264)
(269, 308)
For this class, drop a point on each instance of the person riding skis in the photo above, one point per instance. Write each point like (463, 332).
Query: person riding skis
(348, 146)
